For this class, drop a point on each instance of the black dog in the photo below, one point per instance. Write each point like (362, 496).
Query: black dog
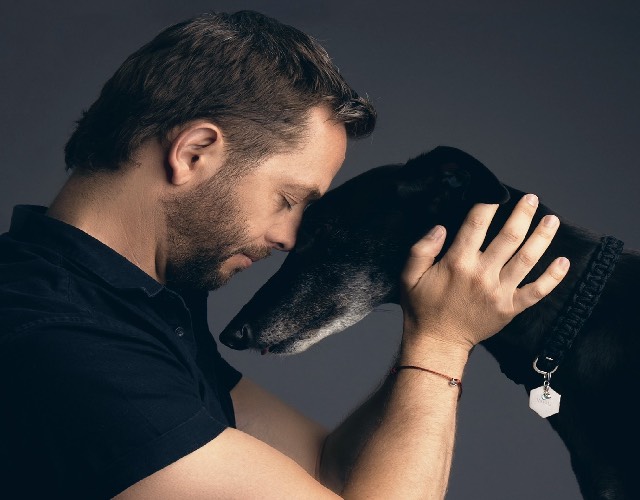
(351, 248)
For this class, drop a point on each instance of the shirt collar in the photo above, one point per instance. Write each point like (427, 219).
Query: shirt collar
(30, 223)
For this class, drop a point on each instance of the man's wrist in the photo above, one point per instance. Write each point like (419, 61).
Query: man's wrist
(434, 354)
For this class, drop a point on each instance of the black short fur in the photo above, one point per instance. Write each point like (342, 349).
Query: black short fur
(351, 248)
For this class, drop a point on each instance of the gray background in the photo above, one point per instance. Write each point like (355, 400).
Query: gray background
(544, 93)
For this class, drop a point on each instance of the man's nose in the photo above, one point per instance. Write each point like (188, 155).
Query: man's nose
(283, 236)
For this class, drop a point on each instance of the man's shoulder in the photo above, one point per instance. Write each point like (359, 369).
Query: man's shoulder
(41, 289)
(34, 287)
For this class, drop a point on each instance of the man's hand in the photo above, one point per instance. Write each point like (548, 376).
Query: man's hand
(470, 295)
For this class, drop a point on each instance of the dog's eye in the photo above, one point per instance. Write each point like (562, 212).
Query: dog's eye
(451, 181)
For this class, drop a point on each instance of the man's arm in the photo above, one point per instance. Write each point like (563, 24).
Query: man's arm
(442, 320)
(399, 445)
(390, 411)
(266, 417)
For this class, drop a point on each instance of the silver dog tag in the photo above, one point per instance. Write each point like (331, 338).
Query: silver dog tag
(544, 401)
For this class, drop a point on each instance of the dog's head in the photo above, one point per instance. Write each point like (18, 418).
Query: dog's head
(352, 245)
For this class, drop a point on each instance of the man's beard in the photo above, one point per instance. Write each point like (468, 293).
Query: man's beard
(205, 227)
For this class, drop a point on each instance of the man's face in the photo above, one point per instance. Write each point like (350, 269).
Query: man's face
(225, 223)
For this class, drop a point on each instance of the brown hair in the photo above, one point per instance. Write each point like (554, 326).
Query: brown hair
(252, 75)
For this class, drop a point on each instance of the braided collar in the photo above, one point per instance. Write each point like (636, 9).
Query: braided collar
(578, 309)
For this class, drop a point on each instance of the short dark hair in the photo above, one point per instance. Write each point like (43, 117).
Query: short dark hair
(252, 75)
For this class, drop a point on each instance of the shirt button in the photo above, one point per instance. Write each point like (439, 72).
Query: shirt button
(179, 331)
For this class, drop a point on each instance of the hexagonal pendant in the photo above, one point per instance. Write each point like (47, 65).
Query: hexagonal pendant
(543, 404)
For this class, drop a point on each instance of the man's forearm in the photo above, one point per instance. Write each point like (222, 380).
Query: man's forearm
(345, 443)
(399, 443)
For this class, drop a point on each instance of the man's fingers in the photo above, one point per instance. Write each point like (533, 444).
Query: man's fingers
(422, 255)
(532, 293)
(522, 262)
(472, 233)
(512, 234)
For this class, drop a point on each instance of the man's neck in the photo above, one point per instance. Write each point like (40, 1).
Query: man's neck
(118, 209)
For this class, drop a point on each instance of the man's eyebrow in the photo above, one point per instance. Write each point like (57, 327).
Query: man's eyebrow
(311, 193)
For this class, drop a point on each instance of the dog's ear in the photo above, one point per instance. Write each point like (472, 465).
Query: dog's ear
(448, 175)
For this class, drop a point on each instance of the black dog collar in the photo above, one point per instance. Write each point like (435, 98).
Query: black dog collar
(577, 310)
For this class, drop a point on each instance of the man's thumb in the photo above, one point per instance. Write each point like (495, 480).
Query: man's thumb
(422, 255)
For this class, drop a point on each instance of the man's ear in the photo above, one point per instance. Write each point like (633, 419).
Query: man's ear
(446, 176)
(194, 152)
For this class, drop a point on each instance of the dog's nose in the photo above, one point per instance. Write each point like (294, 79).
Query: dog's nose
(237, 338)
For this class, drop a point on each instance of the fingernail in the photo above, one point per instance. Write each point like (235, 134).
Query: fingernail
(550, 220)
(532, 200)
(563, 262)
(435, 233)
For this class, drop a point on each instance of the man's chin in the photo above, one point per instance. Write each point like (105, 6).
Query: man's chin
(211, 279)
(223, 280)
(223, 277)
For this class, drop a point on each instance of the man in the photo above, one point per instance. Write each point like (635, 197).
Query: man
(197, 159)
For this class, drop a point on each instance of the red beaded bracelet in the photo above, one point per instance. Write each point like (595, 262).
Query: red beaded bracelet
(453, 382)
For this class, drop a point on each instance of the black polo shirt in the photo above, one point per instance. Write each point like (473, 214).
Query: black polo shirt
(106, 375)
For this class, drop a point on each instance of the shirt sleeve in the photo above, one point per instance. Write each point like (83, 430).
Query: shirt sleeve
(108, 408)
(212, 362)
(209, 359)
